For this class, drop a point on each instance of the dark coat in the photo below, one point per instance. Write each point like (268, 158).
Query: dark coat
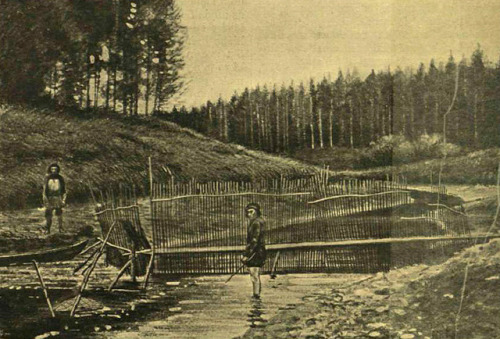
(256, 245)
(62, 186)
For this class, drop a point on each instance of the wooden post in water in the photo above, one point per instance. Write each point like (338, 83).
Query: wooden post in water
(92, 266)
(44, 288)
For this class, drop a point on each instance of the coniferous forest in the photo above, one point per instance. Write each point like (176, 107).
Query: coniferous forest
(113, 55)
(352, 112)
(125, 57)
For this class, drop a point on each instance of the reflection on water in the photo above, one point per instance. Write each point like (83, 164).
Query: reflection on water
(255, 316)
(202, 308)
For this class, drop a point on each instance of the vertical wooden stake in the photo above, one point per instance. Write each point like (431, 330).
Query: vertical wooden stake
(44, 288)
(150, 178)
(150, 264)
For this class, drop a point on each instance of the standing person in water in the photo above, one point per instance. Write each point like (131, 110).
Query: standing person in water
(255, 252)
(54, 196)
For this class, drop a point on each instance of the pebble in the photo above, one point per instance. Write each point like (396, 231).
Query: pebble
(108, 327)
(349, 334)
(400, 312)
(310, 322)
(376, 325)
(407, 336)
(364, 292)
(175, 309)
(173, 283)
(382, 309)
(374, 334)
(189, 302)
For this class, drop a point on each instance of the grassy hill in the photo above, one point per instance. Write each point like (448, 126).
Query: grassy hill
(107, 150)
(479, 167)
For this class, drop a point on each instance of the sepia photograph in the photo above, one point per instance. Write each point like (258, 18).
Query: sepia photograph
(238, 169)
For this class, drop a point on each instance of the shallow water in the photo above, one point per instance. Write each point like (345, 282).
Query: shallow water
(202, 307)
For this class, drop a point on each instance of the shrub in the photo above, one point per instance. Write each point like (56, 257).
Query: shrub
(396, 149)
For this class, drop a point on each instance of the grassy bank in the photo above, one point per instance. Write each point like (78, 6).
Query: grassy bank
(106, 150)
(479, 167)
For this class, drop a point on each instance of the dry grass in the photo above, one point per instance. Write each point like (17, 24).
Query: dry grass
(107, 150)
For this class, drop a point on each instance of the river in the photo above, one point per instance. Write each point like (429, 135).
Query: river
(196, 307)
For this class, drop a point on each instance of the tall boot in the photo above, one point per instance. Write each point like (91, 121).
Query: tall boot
(60, 223)
(48, 218)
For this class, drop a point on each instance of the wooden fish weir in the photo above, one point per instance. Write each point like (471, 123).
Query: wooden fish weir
(200, 228)
(127, 246)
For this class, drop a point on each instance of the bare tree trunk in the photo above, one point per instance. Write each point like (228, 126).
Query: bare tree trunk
(137, 91)
(330, 124)
(341, 127)
(115, 85)
(270, 141)
(372, 120)
(381, 114)
(361, 123)
(303, 108)
(259, 135)
(108, 84)
(285, 125)
(311, 122)
(278, 124)
(424, 115)
(297, 121)
(97, 84)
(87, 86)
(351, 124)
(252, 137)
(320, 128)
(148, 83)
(474, 123)
(226, 125)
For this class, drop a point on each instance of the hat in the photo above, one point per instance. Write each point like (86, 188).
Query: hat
(253, 206)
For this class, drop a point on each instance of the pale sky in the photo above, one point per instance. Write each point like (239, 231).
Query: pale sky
(233, 44)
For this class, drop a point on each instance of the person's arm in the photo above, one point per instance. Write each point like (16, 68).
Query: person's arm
(255, 232)
(44, 195)
(250, 247)
(63, 190)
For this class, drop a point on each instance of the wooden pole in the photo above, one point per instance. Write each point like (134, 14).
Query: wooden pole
(153, 245)
(44, 288)
(122, 270)
(273, 269)
(92, 266)
(150, 177)
(148, 271)
(79, 267)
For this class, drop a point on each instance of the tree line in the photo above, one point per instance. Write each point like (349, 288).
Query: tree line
(351, 112)
(112, 55)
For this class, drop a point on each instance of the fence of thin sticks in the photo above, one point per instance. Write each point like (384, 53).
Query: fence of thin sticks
(128, 234)
(201, 228)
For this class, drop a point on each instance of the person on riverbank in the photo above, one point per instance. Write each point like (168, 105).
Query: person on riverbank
(54, 196)
(255, 252)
